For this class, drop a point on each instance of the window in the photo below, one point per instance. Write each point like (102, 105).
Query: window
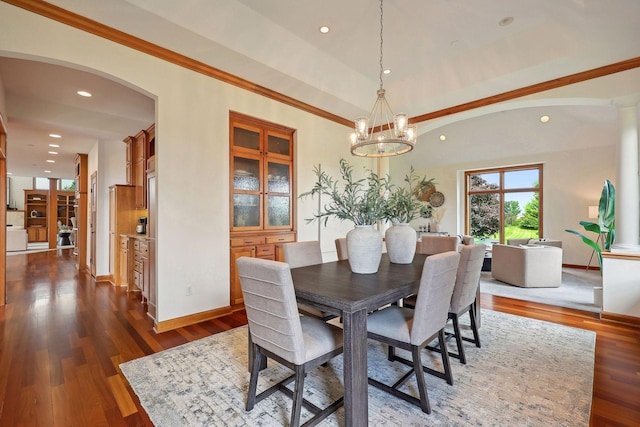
(40, 183)
(504, 203)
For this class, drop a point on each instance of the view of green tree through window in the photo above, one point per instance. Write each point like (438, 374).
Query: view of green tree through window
(504, 203)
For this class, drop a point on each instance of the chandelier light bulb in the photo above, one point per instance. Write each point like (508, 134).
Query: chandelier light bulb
(400, 122)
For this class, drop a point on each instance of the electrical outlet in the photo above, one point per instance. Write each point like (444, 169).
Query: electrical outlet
(187, 290)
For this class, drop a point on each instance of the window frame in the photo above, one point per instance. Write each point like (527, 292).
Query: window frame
(501, 191)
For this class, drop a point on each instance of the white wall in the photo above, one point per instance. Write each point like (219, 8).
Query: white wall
(192, 152)
(18, 185)
(112, 157)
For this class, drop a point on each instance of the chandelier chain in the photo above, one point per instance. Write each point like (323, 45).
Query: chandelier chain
(381, 41)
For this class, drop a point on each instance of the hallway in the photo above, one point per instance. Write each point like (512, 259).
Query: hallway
(63, 337)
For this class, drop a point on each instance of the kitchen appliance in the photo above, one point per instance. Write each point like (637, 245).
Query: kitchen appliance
(141, 228)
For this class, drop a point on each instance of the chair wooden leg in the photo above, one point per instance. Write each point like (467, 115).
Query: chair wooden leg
(446, 364)
(458, 336)
(422, 384)
(297, 396)
(255, 371)
(474, 325)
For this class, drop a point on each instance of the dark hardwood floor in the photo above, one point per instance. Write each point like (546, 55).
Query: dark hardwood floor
(63, 337)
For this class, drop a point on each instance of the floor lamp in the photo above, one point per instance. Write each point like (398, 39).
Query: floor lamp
(593, 213)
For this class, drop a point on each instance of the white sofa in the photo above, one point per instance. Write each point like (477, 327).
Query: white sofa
(527, 266)
(16, 239)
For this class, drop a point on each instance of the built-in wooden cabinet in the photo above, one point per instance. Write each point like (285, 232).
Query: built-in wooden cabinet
(122, 222)
(139, 149)
(36, 204)
(66, 211)
(123, 265)
(261, 192)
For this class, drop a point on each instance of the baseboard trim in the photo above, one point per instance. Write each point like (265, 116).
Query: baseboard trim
(621, 318)
(581, 267)
(105, 278)
(192, 319)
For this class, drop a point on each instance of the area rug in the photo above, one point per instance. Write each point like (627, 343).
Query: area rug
(576, 290)
(527, 373)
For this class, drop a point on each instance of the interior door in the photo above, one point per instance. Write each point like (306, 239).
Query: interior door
(93, 222)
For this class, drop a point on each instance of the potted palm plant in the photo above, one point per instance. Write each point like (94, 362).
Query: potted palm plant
(361, 201)
(605, 228)
(403, 205)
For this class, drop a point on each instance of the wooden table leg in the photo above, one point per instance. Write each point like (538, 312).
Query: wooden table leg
(356, 395)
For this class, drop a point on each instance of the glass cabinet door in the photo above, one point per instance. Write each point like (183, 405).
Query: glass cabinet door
(278, 201)
(246, 138)
(247, 192)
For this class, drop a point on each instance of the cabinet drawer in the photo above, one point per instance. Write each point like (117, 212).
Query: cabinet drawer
(264, 250)
(247, 241)
(136, 245)
(282, 238)
(124, 242)
(137, 266)
(144, 249)
(137, 279)
(137, 256)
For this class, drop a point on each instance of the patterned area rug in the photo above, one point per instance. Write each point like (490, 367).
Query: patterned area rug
(527, 373)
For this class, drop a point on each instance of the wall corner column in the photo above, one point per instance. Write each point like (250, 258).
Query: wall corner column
(627, 181)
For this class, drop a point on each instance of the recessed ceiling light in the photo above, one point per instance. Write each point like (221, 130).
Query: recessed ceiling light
(55, 135)
(387, 71)
(52, 152)
(50, 161)
(443, 137)
(544, 119)
(506, 21)
(324, 29)
(84, 93)
(54, 145)
(47, 171)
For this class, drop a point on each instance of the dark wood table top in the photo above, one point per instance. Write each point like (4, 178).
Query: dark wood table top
(333, 285)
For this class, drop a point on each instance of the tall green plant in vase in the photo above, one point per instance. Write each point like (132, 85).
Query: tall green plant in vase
(361, 201)
(605, 228)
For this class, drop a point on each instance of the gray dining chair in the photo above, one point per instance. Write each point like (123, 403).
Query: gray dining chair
(431, 245)
(464, 296)
(302, 254)
(341, 248)
(278, 332)
(413, 330)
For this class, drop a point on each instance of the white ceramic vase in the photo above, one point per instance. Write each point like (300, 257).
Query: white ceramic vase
(364, 246)
(401, 243)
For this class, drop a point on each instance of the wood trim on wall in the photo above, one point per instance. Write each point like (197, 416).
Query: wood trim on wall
(192, 319)
(3, 211)
(80, 22)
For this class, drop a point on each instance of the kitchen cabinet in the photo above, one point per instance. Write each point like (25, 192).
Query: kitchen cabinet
(122, 221)
(123, 267)
(140, 148)
(261, 192)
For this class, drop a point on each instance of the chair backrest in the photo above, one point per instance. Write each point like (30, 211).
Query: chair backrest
(272, 311)
(467, 277)
(434, 295)
(301, 254)
(341, 248)
(467, 240)
(431, 245)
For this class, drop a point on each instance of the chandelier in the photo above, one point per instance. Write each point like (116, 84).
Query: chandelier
(375, 136)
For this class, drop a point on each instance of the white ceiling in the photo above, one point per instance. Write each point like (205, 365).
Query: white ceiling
(441, 53)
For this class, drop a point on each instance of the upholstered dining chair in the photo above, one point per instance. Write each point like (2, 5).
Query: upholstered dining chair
(341, 248)
(464, 295)
(278, 332)
(431, 245)
(302, 254)
(413, 330)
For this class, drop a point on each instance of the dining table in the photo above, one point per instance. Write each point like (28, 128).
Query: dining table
(332, 287)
